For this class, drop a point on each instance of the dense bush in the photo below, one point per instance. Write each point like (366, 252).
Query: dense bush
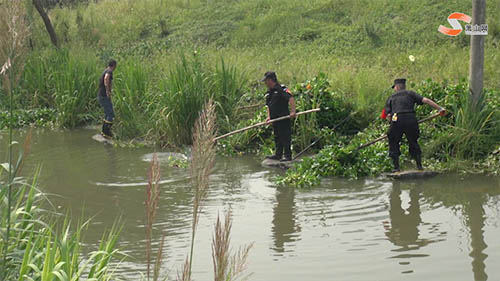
(463, 140)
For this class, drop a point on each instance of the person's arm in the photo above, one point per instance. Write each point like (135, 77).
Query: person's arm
(434, 105)
(107, 84)
(268, 115)
(292, 107)
(387, 113)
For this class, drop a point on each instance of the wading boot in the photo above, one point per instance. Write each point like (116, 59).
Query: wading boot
(418, 159)
(286, 159)
(110, 134)
(273, 157)
(103, 128)
(106, 130)
(395, 161)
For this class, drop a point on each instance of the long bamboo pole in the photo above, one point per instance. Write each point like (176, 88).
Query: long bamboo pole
(385, 136)
(265, 123)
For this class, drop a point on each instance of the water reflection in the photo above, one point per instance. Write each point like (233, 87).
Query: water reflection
(475, 220)
(285, 227)
(403, 229)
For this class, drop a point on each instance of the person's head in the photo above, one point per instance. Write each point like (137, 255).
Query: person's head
(399, 84)
(270, 79)
(112, 64)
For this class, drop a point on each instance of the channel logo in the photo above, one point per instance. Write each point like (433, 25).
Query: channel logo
(456, 29)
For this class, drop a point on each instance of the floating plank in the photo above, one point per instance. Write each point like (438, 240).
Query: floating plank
(102, 139)
(164, 157)
(412, 174)
(278, 164)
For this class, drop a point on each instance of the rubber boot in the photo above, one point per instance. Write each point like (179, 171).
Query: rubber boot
(103, 130)
(418, 159)
(106, 130)
(110, 134)
(395, 162)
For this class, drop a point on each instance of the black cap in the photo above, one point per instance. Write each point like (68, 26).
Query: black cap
(399, 81)
(269, 75)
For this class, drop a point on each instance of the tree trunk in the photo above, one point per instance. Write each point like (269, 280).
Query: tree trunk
(46, 21)
(477, 52)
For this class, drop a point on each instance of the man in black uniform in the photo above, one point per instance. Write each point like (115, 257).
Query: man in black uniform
(277, 99)
(104, 97)
(400, 110)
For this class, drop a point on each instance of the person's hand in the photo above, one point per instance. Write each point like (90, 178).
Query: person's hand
(292, 114)
(268, 119)
(442, 111)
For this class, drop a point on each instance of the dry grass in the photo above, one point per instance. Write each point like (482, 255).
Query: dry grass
(203, 157)
(152, 199)
(14, 31)
(227, 266)
(203, 160)
(184, 274)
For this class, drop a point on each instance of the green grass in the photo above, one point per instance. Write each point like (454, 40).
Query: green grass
(40, 250)
(175, 54)
(296, 38)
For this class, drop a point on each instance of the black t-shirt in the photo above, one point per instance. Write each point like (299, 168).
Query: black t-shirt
(102, 87)
(403, 102)
(277, 100)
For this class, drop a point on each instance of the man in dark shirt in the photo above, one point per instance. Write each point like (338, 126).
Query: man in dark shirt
(400, 110)
(277, 99)
(104, 97)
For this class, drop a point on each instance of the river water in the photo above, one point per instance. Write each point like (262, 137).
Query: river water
(444, 228)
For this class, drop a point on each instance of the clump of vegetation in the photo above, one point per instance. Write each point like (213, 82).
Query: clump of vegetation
(40, 117)
(465, 140)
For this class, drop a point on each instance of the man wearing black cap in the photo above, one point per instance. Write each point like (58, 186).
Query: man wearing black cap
(400, 110)
(277, 99)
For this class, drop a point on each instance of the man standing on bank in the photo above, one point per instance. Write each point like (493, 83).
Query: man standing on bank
(277, 100)
(400, 111)
(104, 97)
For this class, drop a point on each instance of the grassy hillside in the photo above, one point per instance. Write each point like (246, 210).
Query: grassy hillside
(175, 54)
(347, 39)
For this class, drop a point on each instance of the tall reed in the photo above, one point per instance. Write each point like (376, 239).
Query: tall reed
(14, 32)
(152, 200)
(203, 160)
(228, 266)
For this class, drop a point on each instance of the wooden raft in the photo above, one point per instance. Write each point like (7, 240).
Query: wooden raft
(278, 164)
(412, 174)
(102, 139)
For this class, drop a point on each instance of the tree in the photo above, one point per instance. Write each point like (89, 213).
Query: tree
(477, 52)
(46, 20)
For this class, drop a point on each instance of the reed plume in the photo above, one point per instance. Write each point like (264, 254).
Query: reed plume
(14, 31)
(202, 162)
(152, 199)
(184, 274)
(227, 266)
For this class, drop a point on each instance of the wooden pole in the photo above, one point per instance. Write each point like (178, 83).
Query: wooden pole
(385, 136)
(476, 66)
(265, 123)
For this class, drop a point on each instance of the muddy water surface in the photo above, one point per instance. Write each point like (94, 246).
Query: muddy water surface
(445, 228)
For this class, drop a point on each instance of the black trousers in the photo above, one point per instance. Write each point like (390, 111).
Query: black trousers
(406, 124)
(283, 138)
